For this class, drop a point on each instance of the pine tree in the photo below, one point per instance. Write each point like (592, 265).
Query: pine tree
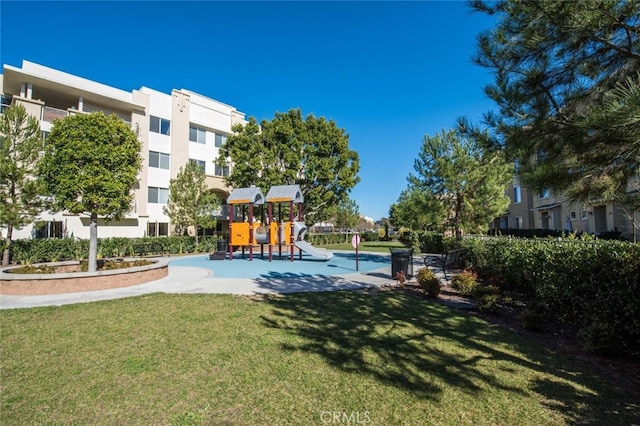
(20, 192)
(556, 65)
(465, 183)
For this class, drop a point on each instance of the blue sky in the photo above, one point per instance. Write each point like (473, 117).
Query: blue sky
(386, 72)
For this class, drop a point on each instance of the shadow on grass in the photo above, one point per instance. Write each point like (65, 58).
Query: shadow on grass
(422, 348)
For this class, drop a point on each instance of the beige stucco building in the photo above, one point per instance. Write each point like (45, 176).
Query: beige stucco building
(174, 128)
(545, 210)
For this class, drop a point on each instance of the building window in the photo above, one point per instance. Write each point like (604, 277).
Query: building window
(159, 125)
(158, 195)
(516, 195)
(544, 194)
(584, 214)
(159, 160)
(157, 229)
(5, 102)
(220, 140)
(222, 171)
(504, 222)
(48, 230)
(197, 135)
(573, 215)
(198, 163)
(518, 222)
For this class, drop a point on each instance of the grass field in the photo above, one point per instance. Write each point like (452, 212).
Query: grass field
(307, 358)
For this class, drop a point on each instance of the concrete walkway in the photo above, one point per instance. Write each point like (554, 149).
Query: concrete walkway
(191, 280)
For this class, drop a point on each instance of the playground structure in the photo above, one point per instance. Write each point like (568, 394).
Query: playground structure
(268, 230)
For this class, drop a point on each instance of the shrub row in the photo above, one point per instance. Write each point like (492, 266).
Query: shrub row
(339, 238)
(428, 242)
(326, 239)
(593, 284)
(57, 249)
(546, 233)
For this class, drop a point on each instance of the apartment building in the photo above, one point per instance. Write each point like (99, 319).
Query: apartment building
(174, 129)
(544, 210)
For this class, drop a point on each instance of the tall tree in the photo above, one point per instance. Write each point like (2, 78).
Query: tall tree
(416, 211)
(556, 65)
(20, 191)
(91, 164)
(461, 180)
(311, 152)
(347, 215)
(191, 203)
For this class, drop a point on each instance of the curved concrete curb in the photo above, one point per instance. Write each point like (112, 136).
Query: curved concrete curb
(72, 282)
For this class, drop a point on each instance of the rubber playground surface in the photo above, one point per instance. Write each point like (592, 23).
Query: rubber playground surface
(199, 275)
(258, 267)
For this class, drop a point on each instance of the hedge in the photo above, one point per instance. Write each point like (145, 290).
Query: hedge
(29, 251)
(593, 284)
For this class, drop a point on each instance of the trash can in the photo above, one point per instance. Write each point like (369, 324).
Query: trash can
(401, 260)
(222, 245)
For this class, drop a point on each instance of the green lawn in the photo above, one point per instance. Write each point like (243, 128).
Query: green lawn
(302, 359)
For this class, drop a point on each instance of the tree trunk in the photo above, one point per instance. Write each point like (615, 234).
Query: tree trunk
(93, 243)
(7, 248)
(458, 215)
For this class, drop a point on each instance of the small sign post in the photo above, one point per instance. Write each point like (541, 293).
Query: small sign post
(355, 242)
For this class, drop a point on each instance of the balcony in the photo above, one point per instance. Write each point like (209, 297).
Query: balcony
(49, 114)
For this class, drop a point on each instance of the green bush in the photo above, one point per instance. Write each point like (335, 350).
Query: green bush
(325, 239)
(57, 249)
(431, 242)
(532, 316)
(590, 283)
(370, 236)
(465, 282)
(429, 282)
(487, 297)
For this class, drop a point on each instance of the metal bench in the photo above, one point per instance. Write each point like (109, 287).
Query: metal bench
(452, 259)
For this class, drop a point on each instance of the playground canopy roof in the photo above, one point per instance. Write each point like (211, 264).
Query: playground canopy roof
(281, 193)
(246, 196)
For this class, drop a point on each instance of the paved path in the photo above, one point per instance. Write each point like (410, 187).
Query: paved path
(197, 280)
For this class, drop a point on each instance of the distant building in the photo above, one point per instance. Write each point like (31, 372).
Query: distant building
(553, 212)
(174, 128)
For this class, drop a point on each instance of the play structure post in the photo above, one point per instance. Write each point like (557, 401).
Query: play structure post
(250, 231)
(292, 239)
(230, 232)
(270, 214)
(279, 239)
(300, 219)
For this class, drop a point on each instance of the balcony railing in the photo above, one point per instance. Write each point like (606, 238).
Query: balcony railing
(49, 114)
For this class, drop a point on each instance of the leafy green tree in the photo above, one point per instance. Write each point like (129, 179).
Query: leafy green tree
(20, 192)
(347, 215)
(191, 203)
(462, 181)
(566, 84)
(415, 211)
(311, 152)
(91, 164)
